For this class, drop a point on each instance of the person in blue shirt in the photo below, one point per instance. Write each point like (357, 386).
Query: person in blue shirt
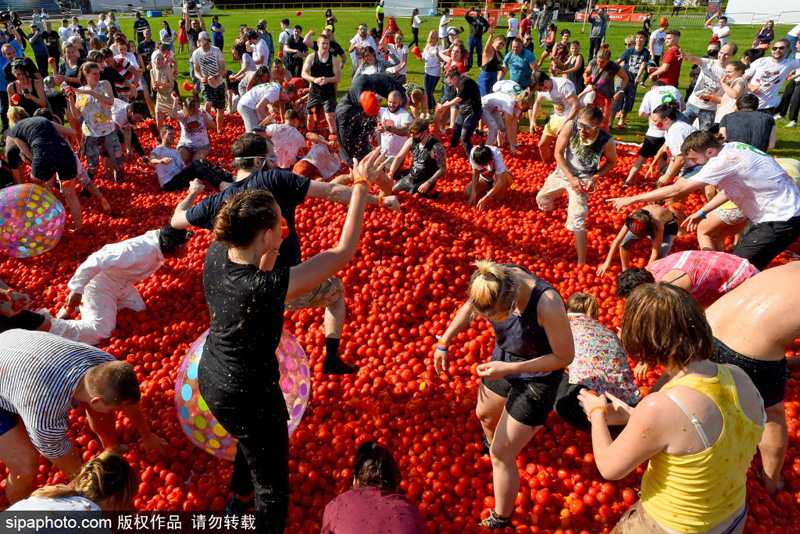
(520, 63)
(39, 48)
(3, 82)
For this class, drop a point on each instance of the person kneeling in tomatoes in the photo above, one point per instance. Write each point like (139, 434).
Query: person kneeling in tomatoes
(44, 377)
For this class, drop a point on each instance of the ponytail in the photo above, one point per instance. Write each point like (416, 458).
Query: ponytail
(244, 216)
(604, 52)
(492, 286)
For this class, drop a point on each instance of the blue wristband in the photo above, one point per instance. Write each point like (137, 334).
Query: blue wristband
(702, 214)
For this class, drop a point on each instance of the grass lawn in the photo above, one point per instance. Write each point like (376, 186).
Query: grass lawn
(693, 40)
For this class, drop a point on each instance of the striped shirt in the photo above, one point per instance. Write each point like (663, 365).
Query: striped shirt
(709, 271)
(39, 373)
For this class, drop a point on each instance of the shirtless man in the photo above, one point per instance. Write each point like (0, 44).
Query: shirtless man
(752, 326)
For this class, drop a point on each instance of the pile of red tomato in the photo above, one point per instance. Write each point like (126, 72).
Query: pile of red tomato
(404, 285)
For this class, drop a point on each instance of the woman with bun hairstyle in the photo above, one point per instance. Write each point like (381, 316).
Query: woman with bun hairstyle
(238, 374)
(106, 482)
(533, 345)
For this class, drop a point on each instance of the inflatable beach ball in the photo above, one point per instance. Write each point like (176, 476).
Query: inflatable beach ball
(199, 424)
(31, 220)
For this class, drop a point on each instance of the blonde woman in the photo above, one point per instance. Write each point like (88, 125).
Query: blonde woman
(106, 482)
(533, 345)
(433, 67)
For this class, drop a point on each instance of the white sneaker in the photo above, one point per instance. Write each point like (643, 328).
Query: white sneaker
(792, 124)
(778, 117)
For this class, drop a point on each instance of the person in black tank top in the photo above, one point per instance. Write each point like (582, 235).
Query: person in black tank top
(322, 72)
(533, 345)
(238, 374)
(492, 60)
(428, 161)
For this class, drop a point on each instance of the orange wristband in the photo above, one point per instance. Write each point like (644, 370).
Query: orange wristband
(598, 408)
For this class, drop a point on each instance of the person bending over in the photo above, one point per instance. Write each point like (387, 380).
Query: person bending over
(490, 177)
(104, 283)
(43, 378)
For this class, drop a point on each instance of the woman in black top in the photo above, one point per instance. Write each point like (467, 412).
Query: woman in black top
(533, 345)
(330, 21)
(238, 374)
(69, 69)
(30, 92)
(491, 61)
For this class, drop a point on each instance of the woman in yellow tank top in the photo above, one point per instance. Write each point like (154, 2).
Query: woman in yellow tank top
(699, 430)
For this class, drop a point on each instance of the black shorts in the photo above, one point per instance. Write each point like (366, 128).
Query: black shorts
(8, 420)
(760, 243)
(769, 377)
(214, 95)
(46, 164)
(320, 101)
(25, 320)
(651, 146)
(528, 401)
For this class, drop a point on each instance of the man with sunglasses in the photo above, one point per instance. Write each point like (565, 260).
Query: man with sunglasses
(580, 146)
(254, 163)
(768, 74)
(359, 43)
(428, 161)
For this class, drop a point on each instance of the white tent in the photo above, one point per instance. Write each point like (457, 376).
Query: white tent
(749, 12)
(404, 8)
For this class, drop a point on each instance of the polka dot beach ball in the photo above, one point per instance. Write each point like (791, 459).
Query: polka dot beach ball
(202, 428)
(31, 220)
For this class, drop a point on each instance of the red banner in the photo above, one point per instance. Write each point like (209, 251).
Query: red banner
(492, 15)
(616, 9)
(618, 17)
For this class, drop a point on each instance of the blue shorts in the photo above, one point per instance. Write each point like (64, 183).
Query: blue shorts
(8, 420)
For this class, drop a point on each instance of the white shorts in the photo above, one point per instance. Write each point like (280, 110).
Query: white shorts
(578, 208)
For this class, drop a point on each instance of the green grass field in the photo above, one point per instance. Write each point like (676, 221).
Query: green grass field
(693, 40)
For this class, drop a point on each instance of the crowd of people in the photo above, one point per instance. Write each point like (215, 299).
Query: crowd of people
(724, 371)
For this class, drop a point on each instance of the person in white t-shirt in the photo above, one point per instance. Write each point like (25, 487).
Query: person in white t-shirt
(701, 104)
(753, 180)
(358, 43)
(768, 74)
(258, 103)
(195, 121)
(657, 40)
(513, 29)
(721, 31)
(444, 22)
(173, 174)
(666, 117)
(490, 177)
(400, 51)
(393, 124)
(502, 113)
(287, 139)
(258, 49)
(659, 93)
(561, 92)
(322, 161)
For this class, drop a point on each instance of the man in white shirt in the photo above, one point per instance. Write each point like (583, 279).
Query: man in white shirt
(359, 43)
(753, 180)
(209, 68)
(104, 283)
(286, 32)
(258, 49)
(700, 104)
(393, 124)
(657, 40)
(64, 32)
(768, 74)
(721, 31)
